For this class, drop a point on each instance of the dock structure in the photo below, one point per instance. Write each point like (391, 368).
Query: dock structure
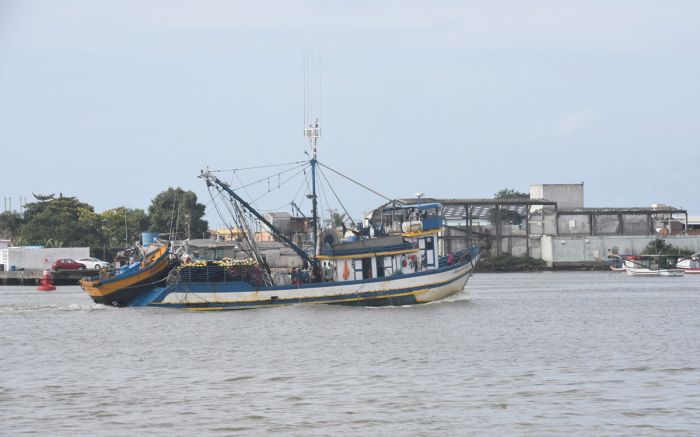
(564, 237)
(32, 277)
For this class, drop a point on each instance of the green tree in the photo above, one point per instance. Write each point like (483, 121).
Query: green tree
(177, 211)
(117, 222)
(507, 215)
(337, 219)
(510, 193)
(61, 222)
(10, 224)
(661, 247)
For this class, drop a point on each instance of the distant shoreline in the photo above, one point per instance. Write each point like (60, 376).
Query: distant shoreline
(510, 264)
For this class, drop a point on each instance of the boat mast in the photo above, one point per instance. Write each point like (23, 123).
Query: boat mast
(313, 133)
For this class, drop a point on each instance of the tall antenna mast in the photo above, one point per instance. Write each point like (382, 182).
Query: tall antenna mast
(312, 99)
(312, 129)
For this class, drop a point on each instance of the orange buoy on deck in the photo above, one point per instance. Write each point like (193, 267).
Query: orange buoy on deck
(45, 283)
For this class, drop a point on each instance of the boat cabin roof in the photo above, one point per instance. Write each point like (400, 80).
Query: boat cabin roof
(633, 257)
(391, 243)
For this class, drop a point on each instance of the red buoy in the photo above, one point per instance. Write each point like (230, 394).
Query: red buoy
(45, 283)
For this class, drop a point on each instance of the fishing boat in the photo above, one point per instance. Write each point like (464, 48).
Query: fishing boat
(119, 288)
(390, 270)
(690, 265)
(652, 265)
(396, 262)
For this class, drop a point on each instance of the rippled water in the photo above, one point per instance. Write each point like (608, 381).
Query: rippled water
(541, 354)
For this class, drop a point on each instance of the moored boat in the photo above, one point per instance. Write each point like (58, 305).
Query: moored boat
(651, 265)
(690, 265)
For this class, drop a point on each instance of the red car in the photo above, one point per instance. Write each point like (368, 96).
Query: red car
(67, 264)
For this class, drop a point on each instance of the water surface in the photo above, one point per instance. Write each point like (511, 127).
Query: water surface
(585, 353)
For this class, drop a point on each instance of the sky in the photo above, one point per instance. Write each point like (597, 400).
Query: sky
(114, 102)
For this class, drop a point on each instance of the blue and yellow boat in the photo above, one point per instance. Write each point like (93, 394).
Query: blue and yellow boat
(119, 289)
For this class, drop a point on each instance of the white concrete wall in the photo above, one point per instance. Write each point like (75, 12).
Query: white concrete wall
(579, 249)
(535, 247)
(567, 196)
(25, 258)
(546, 249)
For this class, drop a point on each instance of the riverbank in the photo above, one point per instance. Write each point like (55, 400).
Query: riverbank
(509, 264)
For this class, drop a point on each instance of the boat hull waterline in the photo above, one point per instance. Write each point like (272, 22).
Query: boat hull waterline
(657, 272)
(408, 289)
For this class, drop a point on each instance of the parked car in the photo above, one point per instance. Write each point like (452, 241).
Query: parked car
(67, 264)
(94, 263)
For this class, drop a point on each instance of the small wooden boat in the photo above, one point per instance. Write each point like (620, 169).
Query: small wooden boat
(120, 288)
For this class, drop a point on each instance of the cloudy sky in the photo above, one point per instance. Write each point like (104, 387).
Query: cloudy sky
(113, 102)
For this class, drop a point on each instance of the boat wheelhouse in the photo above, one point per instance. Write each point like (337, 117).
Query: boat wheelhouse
(410, 247)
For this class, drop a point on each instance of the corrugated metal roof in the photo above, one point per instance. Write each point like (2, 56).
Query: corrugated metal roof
(458, 211)
(482, 201)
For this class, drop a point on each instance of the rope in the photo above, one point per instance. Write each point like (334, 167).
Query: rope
(257, 167)
(337, 198)
(280, 184)
(357, 183)
(305, 163)
(216, 207)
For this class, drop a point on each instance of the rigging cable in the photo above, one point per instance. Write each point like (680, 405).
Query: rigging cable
(172, 218)
(287, 203)
(338, 199)
(273, 189)
(358, 183)
(323, 192)
(244, 188)
(216, 207)
(305, 163)
(257, 167)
